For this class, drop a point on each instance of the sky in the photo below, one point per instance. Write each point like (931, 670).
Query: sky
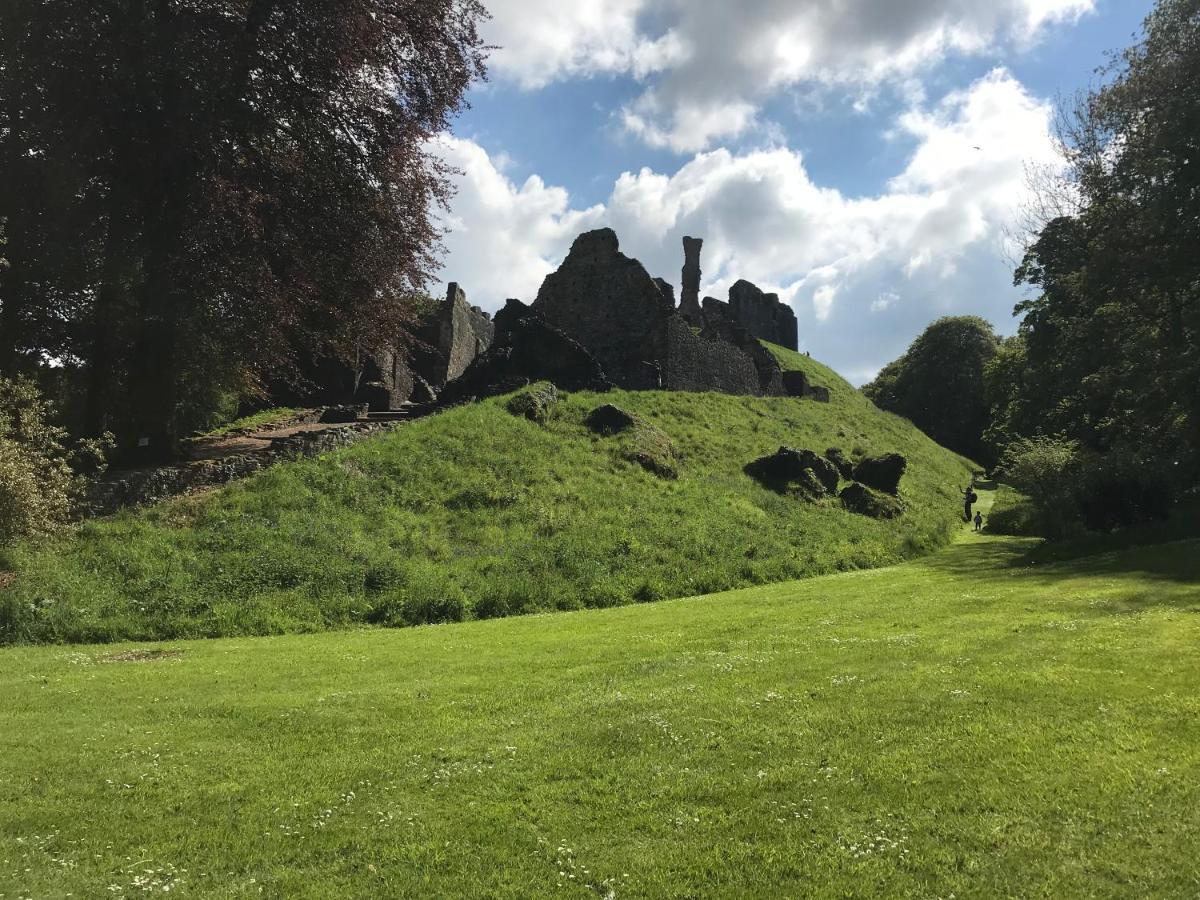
(865, 159)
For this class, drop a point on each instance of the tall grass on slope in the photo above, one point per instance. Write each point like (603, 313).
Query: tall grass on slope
(476, 513)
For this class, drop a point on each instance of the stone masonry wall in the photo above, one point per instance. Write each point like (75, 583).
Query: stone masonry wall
(610, 305)
(764, 315)
(122, 490)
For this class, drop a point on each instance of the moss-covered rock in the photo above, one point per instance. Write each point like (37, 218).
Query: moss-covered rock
(859, 498)
(535, 402)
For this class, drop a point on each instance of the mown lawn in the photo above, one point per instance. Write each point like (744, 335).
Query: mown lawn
(964, 725)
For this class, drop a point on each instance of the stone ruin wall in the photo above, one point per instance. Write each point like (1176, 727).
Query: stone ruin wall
(608, 303)
(463, 332)
(764, 315)
(445, 347)
(601, 320)
(689, 300)
(694, 363)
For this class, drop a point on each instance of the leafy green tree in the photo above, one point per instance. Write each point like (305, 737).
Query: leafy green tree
(938, 384)
(1111, 339)
(1045, 469)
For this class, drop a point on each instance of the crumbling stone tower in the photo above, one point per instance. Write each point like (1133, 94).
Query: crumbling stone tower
(689, 301)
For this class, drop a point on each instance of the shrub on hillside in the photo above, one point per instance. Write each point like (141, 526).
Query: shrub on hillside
(1046, 470)
(427, 597)
(38, 464)
(1117, 491)
(1069, 489)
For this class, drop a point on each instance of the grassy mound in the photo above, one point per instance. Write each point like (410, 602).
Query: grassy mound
(478, 513)
(963, 725)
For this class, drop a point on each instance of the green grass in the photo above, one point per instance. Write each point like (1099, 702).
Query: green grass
(960, 725)
(1012, 513)
(476, 513)
(841, 392)
(255, 420)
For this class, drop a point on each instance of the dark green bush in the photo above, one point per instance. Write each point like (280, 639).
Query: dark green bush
(1068, 490)
(1046, 469)
(1116, 490)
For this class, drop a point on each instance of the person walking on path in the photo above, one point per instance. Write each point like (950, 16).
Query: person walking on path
(979, 521)
(969, 498)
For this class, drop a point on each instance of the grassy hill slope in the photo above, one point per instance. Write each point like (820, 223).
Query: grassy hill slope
(478, 513)
(963, 725)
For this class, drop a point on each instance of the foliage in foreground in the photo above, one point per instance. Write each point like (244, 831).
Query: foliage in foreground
(37, 480)
(1069, 489)
(199, 195)
(1107, 352)
(479, 513)
(962, 725)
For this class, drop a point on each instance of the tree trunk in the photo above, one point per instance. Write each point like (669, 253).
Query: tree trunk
(10, 293)
(154, 367)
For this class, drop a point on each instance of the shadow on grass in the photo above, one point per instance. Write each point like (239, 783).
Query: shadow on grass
(1173, 561)
(978, 556)
(1183, 525)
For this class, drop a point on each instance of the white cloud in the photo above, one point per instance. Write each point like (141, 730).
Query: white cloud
(933, 234)
(885, 301)
(822, 300)
(541, 41)
(707, 68)
(503, 238)
(688, 126)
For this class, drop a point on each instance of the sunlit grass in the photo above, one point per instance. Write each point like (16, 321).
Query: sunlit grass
(965, 724)
(476, 513)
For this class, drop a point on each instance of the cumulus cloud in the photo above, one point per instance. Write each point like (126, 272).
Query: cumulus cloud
(932, 236)
(541, 41)
(503, 238)
(709, 67)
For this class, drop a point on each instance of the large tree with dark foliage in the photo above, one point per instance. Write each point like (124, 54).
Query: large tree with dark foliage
(1109, 345)
(198, 191)
(938, 384)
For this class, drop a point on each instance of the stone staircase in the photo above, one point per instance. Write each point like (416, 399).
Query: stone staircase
(406, 413)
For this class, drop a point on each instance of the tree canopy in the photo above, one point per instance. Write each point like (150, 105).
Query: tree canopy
(196, 193)
(939, 383)
(1106, 358)
(1109, 345)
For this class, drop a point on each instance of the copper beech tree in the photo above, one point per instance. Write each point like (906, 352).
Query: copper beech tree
(196, 192)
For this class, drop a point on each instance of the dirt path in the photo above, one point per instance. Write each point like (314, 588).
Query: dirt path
(237, 444)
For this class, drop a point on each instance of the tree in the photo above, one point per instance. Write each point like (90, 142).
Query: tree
(939, 384)
(249, 181)
(1111, 339)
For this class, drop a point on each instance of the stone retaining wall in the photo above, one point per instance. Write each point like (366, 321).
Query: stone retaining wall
(141, 487)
